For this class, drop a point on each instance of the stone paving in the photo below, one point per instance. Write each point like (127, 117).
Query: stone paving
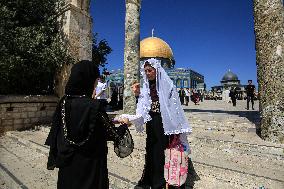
(226, 153)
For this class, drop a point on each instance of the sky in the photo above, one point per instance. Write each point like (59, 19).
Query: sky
(207, 36)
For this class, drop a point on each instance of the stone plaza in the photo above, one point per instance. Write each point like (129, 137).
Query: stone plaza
(226, 153)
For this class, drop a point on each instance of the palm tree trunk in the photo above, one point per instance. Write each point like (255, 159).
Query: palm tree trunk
(269, 33)
(131, 53)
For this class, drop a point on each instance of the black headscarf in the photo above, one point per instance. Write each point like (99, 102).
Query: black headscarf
(82, 78)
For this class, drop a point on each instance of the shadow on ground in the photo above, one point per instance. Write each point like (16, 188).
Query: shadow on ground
(191, 176)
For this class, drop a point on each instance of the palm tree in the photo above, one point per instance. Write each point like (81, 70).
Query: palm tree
(269, 33)
(131, 53)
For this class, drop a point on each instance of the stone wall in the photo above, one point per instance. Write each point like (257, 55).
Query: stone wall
(23, 112)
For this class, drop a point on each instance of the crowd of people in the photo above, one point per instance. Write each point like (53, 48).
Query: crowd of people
(186, 95)
(190, 94)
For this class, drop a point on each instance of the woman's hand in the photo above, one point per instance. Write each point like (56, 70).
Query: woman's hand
(136, 89)
(124, 121)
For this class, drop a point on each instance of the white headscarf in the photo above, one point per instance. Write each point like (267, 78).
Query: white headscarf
(174, 121)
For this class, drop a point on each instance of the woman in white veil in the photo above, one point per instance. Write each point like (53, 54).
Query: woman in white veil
(160, 108)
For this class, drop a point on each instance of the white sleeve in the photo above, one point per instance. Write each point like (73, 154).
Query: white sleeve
(136, 120)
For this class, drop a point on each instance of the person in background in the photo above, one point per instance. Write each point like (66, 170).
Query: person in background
(181, 96)
(100, 92)
(187, 95)
(199, 95)
(233, 95)
(250, 90)
(195, 97)
(202, 96)
(114, 98)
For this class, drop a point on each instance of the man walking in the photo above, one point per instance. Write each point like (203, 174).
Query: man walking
(181, 96)
(250, 89)
(233, 95)
(187, 95)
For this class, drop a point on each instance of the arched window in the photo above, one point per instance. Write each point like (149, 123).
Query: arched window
(179, 83)
(185, 83)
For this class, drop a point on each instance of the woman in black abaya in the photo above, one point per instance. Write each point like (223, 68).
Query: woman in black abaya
(77, 139)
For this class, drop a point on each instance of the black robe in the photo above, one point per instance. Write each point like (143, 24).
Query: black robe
(156, 143)
(84, 166)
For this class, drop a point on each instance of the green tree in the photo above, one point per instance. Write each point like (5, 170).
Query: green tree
(100, 50)
(32, 46)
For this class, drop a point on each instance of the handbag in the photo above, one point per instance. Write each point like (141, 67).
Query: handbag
(121, 136)
(176, 163)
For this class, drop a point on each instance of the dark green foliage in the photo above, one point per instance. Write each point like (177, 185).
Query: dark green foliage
(32, 46)
(100, 51)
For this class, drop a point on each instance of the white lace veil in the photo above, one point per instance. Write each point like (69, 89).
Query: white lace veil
(174, 121)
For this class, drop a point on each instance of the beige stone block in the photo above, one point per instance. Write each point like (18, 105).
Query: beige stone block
(38, 114)
(28, 126)
(17, 109)
(31, 109)
(31, 114)
(34, 120)
(27, 121)
(7, 122)
(24, 115)
(20, 105)
(50, 108)
(19, 126)
(43, 114)
(18, 121)
(17, 115)
(35, 104)
(7, 115)
(4, 105)
(49, 113)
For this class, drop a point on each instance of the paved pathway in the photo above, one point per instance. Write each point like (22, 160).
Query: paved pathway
(227, 153)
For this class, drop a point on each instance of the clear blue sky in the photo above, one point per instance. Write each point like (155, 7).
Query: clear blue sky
(208, 36)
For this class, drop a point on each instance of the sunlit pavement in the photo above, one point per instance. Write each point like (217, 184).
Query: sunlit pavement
(226, 153)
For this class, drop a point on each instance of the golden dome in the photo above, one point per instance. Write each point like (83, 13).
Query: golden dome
(152, 47)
